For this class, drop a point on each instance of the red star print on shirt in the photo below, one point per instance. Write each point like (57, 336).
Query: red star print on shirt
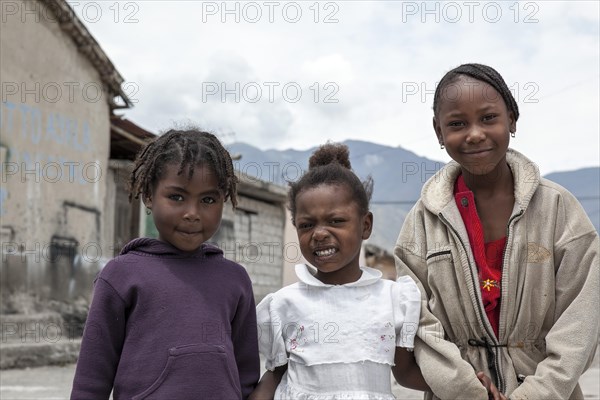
(488, 284)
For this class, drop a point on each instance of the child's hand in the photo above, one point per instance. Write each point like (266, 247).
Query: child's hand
(407, 372)
(493, 392)
(265, 390)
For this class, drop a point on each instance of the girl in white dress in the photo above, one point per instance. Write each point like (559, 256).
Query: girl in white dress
(337, 332)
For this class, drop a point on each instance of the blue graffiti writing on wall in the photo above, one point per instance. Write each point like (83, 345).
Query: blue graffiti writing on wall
(42, 128)
(37, 143)
(3, 198)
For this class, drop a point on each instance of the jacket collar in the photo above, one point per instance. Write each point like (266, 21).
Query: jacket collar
(437, 193)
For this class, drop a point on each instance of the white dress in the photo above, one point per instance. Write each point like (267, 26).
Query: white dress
(339, 341)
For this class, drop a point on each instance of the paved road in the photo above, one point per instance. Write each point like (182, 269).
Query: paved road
(54, 383)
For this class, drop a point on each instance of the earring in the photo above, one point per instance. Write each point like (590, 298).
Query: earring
(442, 146)
(512, 134)
(148, 211)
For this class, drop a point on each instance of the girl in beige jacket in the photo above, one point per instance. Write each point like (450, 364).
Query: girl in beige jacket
(507, 262)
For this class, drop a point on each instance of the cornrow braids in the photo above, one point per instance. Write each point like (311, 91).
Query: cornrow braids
(482, 73)
(330, 165)
(188, 148)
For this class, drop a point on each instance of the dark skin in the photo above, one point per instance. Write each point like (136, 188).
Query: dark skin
(406, 371)
(493, 392)
(265, 390)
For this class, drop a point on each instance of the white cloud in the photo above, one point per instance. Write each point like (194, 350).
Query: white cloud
(372, 160)
(332, 65)
(383, 58)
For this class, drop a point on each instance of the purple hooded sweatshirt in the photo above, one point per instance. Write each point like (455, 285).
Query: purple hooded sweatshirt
(164, 324)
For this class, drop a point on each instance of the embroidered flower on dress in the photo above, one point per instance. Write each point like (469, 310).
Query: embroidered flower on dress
(294, 342)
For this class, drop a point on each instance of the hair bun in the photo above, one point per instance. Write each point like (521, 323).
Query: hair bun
(330, 153)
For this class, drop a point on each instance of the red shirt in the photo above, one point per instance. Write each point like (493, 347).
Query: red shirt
(488, 256)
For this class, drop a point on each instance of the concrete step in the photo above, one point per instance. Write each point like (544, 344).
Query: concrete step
(16, 354)
(35, 340)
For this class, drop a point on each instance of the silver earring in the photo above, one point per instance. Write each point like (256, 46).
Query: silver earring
(442, 146)
(148, 211)
(512, 134)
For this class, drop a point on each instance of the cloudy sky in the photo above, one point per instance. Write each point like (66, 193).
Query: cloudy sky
(283, 74)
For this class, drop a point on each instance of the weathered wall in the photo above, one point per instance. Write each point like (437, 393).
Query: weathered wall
(293, 254)
(54, 124)
(256, 242)
(121, 218)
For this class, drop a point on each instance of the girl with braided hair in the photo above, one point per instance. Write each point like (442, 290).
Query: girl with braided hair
(171, 318)
(506, 261)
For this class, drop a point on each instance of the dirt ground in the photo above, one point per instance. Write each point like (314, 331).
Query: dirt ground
(54, 383)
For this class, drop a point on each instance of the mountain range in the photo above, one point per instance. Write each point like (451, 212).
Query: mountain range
(398, 175)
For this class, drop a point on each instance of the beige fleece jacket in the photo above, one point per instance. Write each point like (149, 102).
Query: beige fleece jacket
(548, 329)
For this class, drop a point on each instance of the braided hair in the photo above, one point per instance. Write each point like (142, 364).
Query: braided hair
(482, 73)
(330, 164)
(188, 148)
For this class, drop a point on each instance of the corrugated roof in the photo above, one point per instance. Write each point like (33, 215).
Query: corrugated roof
(126, 138)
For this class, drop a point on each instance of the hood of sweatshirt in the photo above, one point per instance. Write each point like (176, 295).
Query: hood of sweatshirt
(155, 247)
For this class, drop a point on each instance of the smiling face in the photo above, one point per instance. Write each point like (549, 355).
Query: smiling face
(330, 230)
(474, 125)
(186, 212)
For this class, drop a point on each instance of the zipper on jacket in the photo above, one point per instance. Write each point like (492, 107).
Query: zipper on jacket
(508, 226)
(510, 220)
(499, 378)
(438, 253)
